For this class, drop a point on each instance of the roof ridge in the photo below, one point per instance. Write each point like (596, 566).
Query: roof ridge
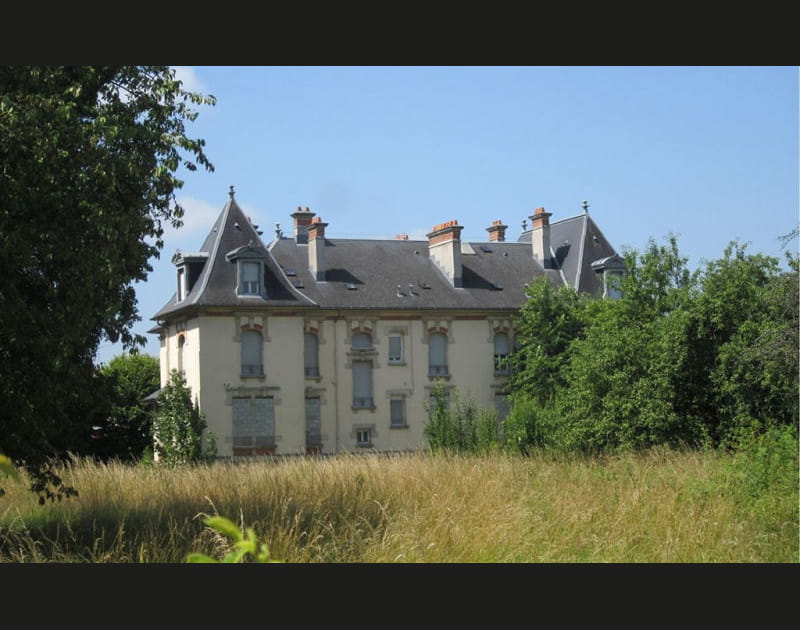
(212, 258)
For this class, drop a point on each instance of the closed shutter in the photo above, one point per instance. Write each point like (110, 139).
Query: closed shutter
(264, 422)
(242, 424)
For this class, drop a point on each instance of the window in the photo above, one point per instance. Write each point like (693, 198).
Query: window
(253, 425)
(250, 278)
(311, 354)
(612, 281)
(362, 341)
(437, 354)
(362, 385)
(397, 411)
(252, 363)
(181, 283)
(364, 437)
(181, 343)
(395, 349)
(501, 362)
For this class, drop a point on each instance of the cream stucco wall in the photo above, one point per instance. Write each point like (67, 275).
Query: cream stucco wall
(212, 363)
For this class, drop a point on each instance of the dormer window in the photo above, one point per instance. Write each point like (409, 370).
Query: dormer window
(249, 260)
(250, 282)
(611, 270)
(190, 266)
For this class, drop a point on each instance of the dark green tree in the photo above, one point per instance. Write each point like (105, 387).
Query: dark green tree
(89, 165)
(124, 431)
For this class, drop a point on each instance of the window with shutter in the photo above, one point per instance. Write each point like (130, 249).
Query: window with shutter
(395, 349)
(250, 278)
(437, 354)
(362, 384)
(501, 347)
(311, 354)
(398, 411)
(252, 362)
(361, 341)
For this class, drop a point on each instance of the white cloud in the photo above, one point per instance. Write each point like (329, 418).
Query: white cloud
(190, 81)
(198, 217)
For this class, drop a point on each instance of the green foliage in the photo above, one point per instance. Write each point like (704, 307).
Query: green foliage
(456, 424)
(547, 323)
(246, 547)
(680, 359)
(177, 424)
(90, 157)
(124, 432)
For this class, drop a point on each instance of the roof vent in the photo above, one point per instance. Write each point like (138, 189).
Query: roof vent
(399, 291)
(297, 284)
(350, 286)
(411, 290)
(425, 285)
(497, 286)
(290, 272)
(486, 249)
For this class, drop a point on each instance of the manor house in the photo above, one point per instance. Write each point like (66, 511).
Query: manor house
(315, 344)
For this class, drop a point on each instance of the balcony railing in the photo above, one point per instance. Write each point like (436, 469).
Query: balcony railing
(437, 370)
(362, 403)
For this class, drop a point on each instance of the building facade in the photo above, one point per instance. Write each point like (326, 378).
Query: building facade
(311, 344)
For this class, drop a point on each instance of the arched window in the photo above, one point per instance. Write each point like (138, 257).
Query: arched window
(181, 343)
(252, 360)
(501, 348)
(362, 341)
(311, 354)
(437, 354)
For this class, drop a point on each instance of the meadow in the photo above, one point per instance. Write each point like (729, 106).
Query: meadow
(658, 506)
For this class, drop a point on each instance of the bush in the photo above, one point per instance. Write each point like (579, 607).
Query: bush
(458, 424)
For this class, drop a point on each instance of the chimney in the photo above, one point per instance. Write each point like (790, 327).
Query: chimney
(302, 219)
(497, 231)
(316, 248)
(540, 237)
(444, 248)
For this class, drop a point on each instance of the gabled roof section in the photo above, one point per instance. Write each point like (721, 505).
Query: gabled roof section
(577, 242)
(231, 233)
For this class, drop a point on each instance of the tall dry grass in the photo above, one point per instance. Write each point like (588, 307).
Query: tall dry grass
(659, 506)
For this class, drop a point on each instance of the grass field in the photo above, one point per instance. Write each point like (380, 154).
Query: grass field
(655, 507)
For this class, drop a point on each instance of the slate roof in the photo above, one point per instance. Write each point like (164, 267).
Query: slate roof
(493, 279)
(216, 284)
(365, 273)
(577, 242)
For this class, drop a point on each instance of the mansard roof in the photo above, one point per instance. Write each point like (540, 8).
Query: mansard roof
(232, 233)
(577, 242)
(395, 274)
(367, 273)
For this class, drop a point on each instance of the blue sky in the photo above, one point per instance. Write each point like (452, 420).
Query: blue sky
(708, 153)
